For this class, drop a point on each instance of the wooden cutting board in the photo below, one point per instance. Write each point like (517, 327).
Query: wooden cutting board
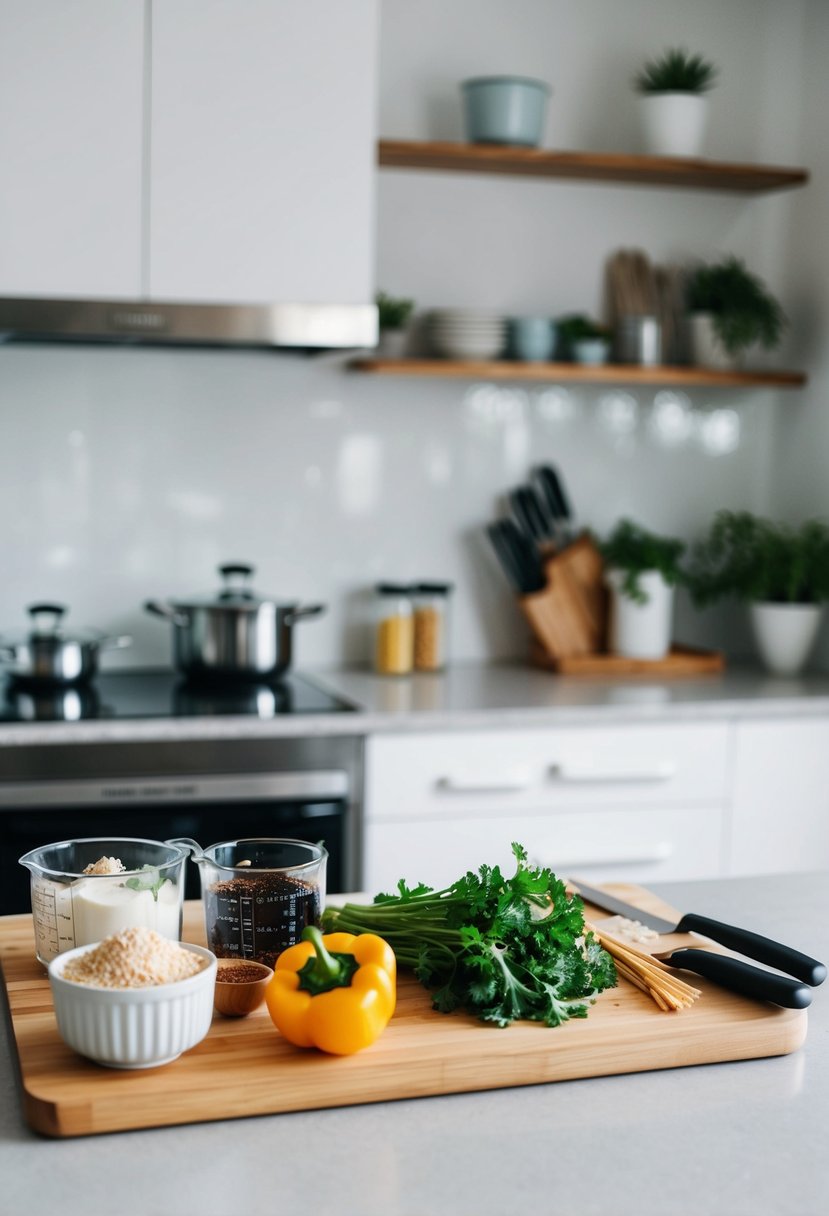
(244, 1068)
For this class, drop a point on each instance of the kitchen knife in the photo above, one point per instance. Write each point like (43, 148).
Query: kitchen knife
(554, 496)
(531, 514)
(517, 556)
(731, 973)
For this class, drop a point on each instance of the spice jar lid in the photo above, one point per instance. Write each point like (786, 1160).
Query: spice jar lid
(394, 589)
(434, 588)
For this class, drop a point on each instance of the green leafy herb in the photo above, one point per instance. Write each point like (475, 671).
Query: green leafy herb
(756, 560)
(677, 71)
(634, 550)
(149, 879)
(743, 311)
(501, 948)
(392, 313)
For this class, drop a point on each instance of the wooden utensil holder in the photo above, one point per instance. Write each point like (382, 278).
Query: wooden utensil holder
(569, 616)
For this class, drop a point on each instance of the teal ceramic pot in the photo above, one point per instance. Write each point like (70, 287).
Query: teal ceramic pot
(505, 110)
(532, 338)
(591, 352)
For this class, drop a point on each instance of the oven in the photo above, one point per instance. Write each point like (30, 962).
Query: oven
(305, 788)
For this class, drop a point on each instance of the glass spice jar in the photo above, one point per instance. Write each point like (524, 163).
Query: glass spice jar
(431, 626)
(393, 630)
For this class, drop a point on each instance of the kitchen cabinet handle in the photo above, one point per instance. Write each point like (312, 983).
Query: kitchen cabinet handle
(574, 774)
(563, 864)
(510, 783)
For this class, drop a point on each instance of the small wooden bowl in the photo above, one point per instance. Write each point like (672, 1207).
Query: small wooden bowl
(237, 997)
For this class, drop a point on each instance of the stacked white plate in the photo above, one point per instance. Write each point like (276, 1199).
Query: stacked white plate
(460, 333)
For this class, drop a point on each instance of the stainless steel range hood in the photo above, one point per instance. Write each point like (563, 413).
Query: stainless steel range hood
(305, 327)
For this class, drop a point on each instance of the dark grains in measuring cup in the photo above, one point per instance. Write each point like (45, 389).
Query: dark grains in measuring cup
(260, 915)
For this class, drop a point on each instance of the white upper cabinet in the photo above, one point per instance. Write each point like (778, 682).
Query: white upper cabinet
(188, 150)
(71, 113)
(262, 150)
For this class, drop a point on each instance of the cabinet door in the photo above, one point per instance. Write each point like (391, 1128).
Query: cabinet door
(71, 108)
(263, 148)
(780, 818)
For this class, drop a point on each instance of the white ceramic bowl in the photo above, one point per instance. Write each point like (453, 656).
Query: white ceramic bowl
(133, 1027)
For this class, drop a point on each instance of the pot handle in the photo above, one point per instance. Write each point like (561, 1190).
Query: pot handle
(7, 651)
(301, 611)
(119, 642)
(166, 611)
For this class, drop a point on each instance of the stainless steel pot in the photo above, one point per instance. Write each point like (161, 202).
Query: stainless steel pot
(234, 635)
(51, 655)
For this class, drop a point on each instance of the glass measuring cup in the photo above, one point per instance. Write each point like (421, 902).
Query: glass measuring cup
(70, 908)
(259, 894)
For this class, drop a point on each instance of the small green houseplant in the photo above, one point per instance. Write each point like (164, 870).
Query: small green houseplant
(641, 571)
(676, 71)
(741, 309)
(672, 90)
(755, 560)
(634, 550)
(393, 315)
(581, 338)
(780, 571)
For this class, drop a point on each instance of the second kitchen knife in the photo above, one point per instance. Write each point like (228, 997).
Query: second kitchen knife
(729, 972)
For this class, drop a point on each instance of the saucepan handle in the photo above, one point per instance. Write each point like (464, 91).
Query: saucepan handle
(302, 611)
(116, 643)
(166, 611)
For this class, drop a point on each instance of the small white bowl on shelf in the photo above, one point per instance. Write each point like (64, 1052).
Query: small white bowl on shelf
(133, 1027)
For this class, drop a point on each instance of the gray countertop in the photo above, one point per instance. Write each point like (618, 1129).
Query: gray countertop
(468, 696)
(723, 1140)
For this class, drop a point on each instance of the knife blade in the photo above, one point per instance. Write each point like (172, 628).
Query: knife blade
(730, 972)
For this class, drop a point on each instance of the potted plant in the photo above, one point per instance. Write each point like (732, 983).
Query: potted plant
(641, 571)
(730, 310)
(583, 340)
(780, 571)
(673, 102)
(392, 319)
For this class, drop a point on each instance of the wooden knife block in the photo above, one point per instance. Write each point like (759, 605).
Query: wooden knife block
(569, 616)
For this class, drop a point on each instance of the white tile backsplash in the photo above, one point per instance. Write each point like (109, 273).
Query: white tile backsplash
(127, 474)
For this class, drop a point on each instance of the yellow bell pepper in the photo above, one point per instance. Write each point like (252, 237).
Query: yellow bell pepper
(335, 991)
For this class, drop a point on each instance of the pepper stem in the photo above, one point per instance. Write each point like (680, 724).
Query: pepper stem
(325, 970)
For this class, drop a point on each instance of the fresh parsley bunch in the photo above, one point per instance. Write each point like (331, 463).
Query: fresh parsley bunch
(500, 948)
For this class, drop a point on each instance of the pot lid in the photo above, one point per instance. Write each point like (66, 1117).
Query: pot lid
(47, 626)
(235, 593)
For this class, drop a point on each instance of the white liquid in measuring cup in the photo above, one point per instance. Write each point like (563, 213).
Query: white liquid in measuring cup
(101, 907)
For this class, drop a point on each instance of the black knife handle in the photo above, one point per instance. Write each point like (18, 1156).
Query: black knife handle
(737, 976)
(773, 954)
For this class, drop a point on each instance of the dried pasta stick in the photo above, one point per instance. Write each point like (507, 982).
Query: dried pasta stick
(649, 974)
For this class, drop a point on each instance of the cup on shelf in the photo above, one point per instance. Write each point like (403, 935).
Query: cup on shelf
(639, 340)
(532, 339)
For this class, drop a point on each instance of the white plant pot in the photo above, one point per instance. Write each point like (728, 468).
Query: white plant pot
(707, 349)
(392, 343)
(640, 631)
(674, 123)
(785, 634)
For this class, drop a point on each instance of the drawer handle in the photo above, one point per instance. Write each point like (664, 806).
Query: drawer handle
(573, 774)
(510, 783)
(633, 857)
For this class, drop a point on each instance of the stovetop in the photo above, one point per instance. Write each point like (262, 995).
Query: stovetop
(164, 694)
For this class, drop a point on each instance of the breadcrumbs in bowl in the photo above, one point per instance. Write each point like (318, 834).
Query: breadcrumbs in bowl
(134, 1000)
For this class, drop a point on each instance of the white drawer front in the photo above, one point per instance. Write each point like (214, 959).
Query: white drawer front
(600, 846)
(497, 772)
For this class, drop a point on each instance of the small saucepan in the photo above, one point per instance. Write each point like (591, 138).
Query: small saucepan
(235, 635)
(50, 655)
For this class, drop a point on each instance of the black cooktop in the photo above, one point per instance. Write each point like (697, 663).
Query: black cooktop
(164, 694)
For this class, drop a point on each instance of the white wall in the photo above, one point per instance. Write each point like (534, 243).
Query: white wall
(129, 473)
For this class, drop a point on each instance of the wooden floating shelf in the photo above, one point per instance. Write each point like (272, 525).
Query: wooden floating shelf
(618, 167)
(619, 373)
